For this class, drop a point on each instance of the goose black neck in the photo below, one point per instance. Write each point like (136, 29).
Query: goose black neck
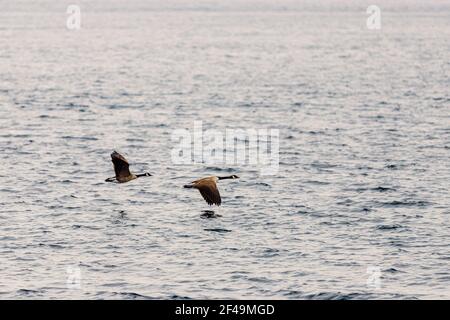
(143, 175)
(223, 178)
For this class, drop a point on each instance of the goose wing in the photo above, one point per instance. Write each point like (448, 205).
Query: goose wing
(121, 165)
(208, 190)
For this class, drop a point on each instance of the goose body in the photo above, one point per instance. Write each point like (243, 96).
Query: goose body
(208, 188)
(122, 169)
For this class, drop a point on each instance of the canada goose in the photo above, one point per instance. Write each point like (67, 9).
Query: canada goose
(121, 167)
(208, 188)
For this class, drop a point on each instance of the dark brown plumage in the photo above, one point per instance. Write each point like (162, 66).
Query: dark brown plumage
(121, 165)
(122, 169)
(208, 188)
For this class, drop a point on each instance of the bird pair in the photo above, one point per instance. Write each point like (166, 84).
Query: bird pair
(207, 186)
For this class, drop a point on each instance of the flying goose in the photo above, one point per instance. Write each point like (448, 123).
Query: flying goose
(208, 188)
(121, 167)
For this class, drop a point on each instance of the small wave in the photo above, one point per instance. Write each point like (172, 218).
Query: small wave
(316, 132)
(259, 279)
(7, 238)
(7, 190)
(263, 184)
(270, 252)
(406, 203)
(383, 189)
(220, 230)
(15, 135)
(80, 138)
(177, 297)
(338, 296)
(302, 212)
(219, 169)
(394, 166)
(28, 292)
(316, 182)
(116, 106)
(323, 165)
(73, 105)
(53, 246)
(79, 226)
(134, 140)
(389, 227)
(132, 296)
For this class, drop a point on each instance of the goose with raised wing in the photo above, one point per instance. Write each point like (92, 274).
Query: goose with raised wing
(122, 170)
(208, 188)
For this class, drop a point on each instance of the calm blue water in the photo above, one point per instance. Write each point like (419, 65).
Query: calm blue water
(364, 120)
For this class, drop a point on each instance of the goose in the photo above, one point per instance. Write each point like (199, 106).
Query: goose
(121, 167)
(208, 188)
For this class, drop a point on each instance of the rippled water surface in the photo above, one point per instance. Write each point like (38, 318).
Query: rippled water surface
(363, 183)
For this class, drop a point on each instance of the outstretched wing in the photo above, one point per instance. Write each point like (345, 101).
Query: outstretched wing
(121, 165)
(209, 192)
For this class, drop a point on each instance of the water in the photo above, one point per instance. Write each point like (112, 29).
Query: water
(359, 208)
